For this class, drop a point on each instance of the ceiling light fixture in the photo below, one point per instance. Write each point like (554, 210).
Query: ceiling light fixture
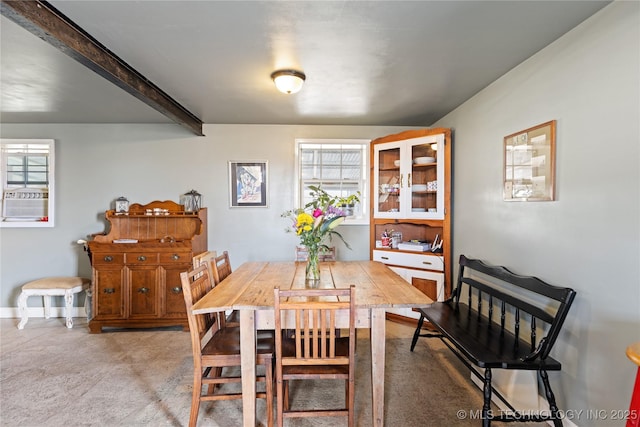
(288, 81)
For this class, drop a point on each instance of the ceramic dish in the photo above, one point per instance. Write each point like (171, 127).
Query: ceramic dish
(418, 210)
(396, 163)
(419, 187)
(424, 160)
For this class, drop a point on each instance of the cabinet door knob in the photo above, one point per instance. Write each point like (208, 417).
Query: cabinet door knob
(175, 257)
(385, 257)
(142, 258)
(108, 258)
(426, 262)
(109, 290)
(176, 290)
(143, 290)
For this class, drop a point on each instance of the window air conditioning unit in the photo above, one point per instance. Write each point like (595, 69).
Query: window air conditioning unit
(25, 203)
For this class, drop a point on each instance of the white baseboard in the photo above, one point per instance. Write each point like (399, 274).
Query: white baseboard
(14, 313)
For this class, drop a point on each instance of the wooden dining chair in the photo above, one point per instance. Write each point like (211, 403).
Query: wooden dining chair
(314, 351)
(220, 350)
(205, 258)
(220, 269)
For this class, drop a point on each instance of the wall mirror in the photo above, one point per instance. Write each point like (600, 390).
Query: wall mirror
(27, 171)
(529, 164)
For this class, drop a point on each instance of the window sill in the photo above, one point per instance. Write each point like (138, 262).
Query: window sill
(9, 223)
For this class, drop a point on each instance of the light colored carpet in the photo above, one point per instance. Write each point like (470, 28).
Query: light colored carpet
(52, 376)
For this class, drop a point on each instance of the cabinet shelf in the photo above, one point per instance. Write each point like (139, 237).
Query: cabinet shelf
(403, 251)
(110, 214)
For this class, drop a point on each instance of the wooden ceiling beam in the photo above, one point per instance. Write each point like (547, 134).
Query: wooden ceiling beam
(50, 25)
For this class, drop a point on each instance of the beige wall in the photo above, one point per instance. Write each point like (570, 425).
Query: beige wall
(589, 238)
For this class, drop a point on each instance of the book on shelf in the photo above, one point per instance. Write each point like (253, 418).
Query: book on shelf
(414, 246)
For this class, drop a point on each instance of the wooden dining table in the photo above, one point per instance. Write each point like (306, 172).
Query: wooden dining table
(250, 289)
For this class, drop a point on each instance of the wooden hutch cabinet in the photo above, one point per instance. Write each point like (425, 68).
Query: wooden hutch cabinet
(411, 196)
(136, 266)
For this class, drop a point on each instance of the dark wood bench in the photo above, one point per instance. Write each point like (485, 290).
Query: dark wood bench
(482, 321)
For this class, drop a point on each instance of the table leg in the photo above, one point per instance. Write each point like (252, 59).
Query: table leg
(248, 368)
(377, 364)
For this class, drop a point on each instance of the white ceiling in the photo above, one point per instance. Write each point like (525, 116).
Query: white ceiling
(405, 63)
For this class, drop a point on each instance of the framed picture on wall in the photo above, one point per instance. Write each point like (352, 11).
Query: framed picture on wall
(529, 164)
(248, 184)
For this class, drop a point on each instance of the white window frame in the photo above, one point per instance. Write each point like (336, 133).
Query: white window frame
(31, 222)
(363, 219)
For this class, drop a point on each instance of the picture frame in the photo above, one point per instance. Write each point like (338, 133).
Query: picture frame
(248, 183)
(529, 164)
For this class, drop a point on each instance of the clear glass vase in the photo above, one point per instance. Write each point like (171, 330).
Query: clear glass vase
(312, 271)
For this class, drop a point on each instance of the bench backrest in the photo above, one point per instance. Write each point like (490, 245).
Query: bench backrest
(521, 294)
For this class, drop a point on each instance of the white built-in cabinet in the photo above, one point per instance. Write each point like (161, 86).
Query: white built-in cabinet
(411, 195)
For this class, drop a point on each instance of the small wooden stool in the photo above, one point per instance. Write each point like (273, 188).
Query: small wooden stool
(633, 353)
(54, 286)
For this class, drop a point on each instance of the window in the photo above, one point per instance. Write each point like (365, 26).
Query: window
(27, 170)
(339, 166)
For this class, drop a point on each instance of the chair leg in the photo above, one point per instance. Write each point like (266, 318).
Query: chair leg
(195, 398)
(68, 306)
(24, 312)
(279, 402)
(416, 334)
(269, 389)
(486, 407)
(553, 407)
(286, 396)
(351, 397)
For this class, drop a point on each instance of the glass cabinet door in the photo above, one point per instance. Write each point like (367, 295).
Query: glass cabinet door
(425, 195)
(387, 179)
(409, 178)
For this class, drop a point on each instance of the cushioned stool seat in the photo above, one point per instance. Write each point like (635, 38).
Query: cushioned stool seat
(54, 286)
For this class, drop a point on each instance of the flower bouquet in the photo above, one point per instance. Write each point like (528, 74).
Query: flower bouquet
(316, 222)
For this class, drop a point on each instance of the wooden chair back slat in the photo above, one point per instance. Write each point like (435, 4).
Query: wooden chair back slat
(221, 267)
(204, 258)
(315, 323)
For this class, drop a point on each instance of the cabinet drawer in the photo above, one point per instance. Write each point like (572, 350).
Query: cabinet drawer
(141, 258)
(103, 258)
(423, 261)
(175, 257)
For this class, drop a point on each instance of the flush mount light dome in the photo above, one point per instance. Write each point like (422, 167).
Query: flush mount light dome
(288, 81)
